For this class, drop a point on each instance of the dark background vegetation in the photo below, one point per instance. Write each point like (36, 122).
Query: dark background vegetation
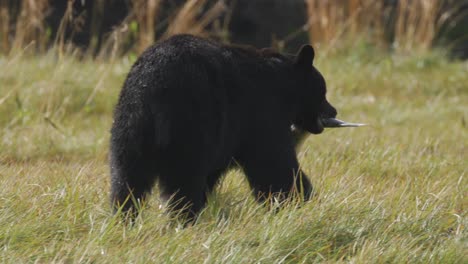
(120, 26)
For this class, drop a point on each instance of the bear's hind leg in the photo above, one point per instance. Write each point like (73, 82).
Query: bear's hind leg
(131, 182)
(184, 192)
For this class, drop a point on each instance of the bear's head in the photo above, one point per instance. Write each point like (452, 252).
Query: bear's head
(313, 110)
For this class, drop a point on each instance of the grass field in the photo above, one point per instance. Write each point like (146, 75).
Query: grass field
(393, 192)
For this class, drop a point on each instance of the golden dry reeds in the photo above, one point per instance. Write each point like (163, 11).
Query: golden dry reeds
(27, 28)
(5, 26)
(417, 23)
(188, 19)
(145, 13)
(67, 18)
(192, 17)
(331, 20)
(140, 26)
(406, 24)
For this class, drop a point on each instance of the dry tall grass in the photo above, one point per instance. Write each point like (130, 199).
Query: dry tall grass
(416, 24)
(407, 25)
(330, 21)
(140, 26)
(192, 17)
(146, 14)
(66, 20)
(29, 25)
(187, 19)
(5, 27)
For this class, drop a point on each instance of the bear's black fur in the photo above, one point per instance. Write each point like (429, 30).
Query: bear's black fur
(190, 106)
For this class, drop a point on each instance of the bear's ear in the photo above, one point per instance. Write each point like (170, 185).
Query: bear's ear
(305, 56)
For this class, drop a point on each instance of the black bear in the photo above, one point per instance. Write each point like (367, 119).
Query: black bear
(190, 106)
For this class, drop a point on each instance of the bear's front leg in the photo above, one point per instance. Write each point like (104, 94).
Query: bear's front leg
(272, 169)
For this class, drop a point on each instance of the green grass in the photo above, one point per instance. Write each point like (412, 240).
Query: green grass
(393, 192)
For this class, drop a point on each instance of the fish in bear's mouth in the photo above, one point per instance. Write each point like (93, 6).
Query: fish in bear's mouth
(300, 135)
(333, 122)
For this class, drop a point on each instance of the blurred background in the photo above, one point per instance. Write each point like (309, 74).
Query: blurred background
(109, 28)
